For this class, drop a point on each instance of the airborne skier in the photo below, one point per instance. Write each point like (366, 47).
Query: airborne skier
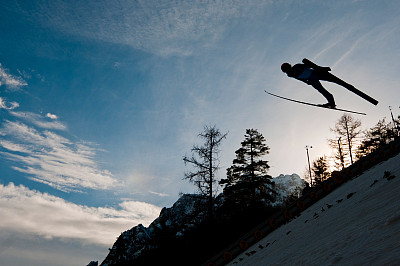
(311, 74)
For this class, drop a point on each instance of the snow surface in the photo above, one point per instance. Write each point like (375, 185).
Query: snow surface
(357, 224)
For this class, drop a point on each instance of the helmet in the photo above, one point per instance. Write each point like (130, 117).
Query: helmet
(286, 67)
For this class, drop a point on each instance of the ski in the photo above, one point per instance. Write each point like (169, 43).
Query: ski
(316, 105)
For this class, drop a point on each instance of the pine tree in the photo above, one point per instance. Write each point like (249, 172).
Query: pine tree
(247, 179)
(321, 170)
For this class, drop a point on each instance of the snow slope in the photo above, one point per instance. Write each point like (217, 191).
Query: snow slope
(357, 224)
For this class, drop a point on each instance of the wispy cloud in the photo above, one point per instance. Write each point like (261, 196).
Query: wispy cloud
(52, 159)
(39, 120)
(8, 106)
(163, 27)
(33, 212)
(44, 155)
(9, 80)
(158, 194)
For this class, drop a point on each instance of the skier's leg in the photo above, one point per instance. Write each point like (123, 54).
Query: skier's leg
(313, 81)
(332, 78)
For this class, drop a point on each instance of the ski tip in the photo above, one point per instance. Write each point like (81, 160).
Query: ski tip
(348, 111)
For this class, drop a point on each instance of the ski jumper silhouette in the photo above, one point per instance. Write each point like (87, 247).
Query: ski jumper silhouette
(311, 74)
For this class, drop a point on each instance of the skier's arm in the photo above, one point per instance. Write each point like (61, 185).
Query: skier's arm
(315, 66)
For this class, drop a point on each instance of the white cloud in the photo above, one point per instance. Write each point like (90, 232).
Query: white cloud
(52, 159)
(33, 212)
(14, 147)
(9, 80)
(51, 116)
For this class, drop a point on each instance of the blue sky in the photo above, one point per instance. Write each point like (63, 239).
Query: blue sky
(100, 101)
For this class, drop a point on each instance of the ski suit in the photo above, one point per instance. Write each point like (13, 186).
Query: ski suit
(311, 74)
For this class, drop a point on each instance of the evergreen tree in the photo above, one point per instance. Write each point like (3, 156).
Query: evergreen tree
(206, 161)
(382, 133)
(247, 179)
(321, 170)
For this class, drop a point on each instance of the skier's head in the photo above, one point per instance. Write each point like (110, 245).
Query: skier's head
(286, 67)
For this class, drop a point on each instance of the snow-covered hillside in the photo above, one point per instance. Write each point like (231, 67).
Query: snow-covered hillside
(357, 224)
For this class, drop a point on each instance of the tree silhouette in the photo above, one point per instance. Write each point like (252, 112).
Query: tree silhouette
(247, 179)
(205, 160)
(348, 129)
(321, 170)
(374, 138)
